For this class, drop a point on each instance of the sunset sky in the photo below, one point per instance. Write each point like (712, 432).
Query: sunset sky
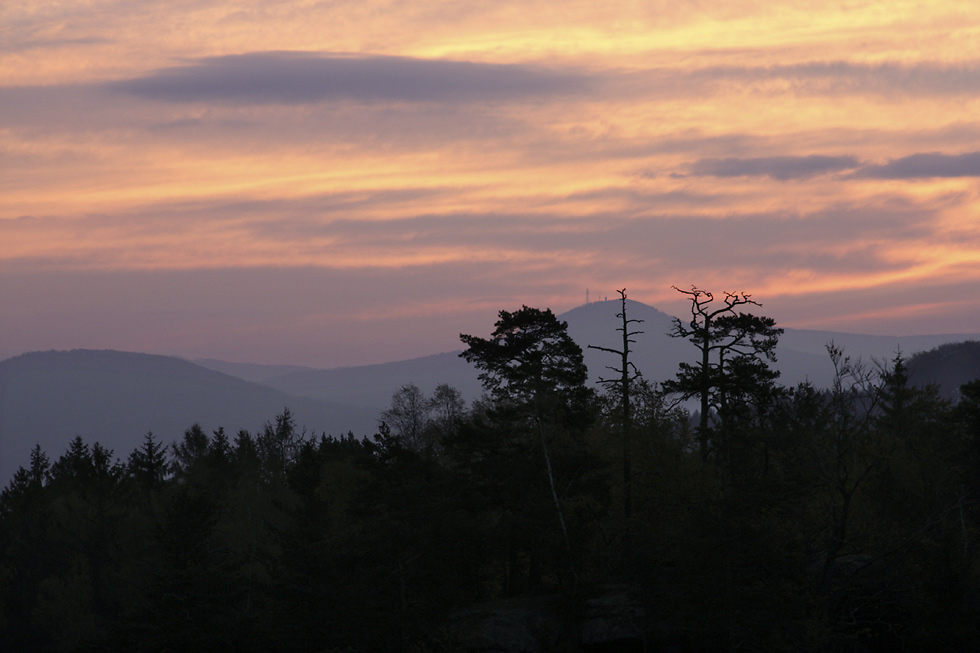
(349, 182)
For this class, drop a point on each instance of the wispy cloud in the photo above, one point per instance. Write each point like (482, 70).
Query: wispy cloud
(329, 231)
(305, 77)
(807, 78)
(776, 167)
(924, 166)
(30, 44)
(929, 165)
(918, 78)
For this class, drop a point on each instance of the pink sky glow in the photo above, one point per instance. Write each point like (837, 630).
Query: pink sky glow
(355, 182)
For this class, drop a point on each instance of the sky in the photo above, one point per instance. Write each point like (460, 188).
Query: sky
(349, 182)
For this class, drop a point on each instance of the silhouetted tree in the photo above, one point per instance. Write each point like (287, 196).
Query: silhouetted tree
(533, 369)
(277, 446)
(408, 417)
(148, 464)
(449, 408)
(735, 349)
(529, 358)
(628, 373)
(29, 553)
(190, 451)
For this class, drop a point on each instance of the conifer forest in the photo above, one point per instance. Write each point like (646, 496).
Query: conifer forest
(718, 511)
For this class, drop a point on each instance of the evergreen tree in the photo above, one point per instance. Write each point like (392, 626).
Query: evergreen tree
(735, 350)
(148, 464)
(535, 375)
(528, 359)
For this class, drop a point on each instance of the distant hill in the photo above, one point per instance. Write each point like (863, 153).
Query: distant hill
(947, 366)
(249, 371)
(373, 385)
(116, 397)
(801, 356)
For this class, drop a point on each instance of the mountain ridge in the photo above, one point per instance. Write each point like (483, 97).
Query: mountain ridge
(115, 398)
(801, 356)
(99, 396)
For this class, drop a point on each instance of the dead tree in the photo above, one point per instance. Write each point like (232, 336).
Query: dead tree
(627, 374)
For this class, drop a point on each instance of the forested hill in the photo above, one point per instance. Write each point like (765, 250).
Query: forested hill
(947, 366)
(115, 397)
